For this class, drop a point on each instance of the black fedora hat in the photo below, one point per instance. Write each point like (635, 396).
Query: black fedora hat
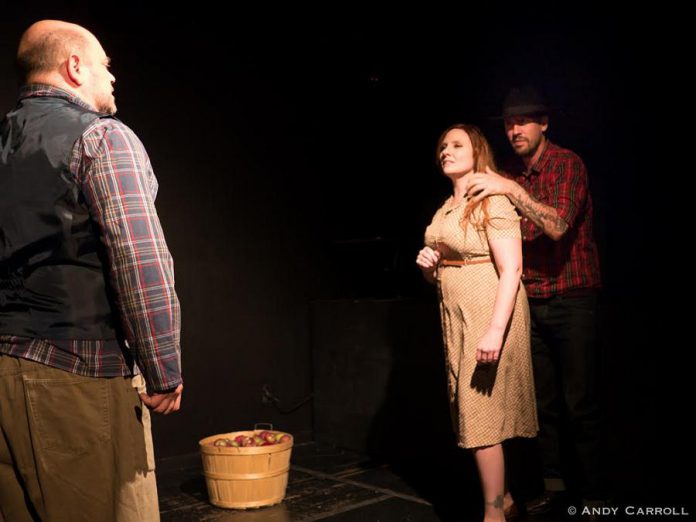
(524, 101)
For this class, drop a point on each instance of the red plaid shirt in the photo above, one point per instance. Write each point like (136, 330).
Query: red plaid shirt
(559, 179)
(113, 171)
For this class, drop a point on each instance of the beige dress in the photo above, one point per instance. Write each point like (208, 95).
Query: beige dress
(489, 402)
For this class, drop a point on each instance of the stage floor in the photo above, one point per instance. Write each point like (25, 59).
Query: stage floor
(327, 483)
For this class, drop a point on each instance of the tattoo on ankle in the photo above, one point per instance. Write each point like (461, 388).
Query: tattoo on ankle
(497, 503)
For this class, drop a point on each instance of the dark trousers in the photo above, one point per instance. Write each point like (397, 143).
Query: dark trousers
(564, 355)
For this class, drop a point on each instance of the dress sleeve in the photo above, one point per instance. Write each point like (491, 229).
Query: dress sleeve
(504, 222)
(430, 236)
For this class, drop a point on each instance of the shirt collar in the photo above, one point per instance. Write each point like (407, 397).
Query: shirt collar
(33, 90)
(542, 161)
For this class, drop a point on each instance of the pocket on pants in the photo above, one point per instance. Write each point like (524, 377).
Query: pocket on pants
(68, 415)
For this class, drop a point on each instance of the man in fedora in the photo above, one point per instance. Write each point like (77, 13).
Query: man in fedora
(561, 274)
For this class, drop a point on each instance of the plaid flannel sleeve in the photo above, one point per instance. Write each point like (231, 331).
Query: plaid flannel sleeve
(119, 186)
(570, 189)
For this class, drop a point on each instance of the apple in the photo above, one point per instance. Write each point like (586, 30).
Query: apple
(263, 438)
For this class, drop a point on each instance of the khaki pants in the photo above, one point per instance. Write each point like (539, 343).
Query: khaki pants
(73, 448)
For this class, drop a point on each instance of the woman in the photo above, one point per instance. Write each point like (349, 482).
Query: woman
(473, 253)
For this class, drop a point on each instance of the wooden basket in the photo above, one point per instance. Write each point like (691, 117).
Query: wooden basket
(245, 477)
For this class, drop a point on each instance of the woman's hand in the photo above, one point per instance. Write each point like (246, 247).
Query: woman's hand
(428, 259)
(488, 349)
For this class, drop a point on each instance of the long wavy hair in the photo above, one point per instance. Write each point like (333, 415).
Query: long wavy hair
(483, 157)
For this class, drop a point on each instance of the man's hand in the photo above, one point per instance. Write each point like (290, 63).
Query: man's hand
(164, 403)
(482, 185)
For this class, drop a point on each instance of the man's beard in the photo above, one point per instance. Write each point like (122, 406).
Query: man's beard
(527, 150)
(107, 106)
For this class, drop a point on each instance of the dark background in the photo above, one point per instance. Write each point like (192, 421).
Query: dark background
(295, 157)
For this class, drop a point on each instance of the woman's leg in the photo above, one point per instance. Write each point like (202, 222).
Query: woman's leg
(491, 468)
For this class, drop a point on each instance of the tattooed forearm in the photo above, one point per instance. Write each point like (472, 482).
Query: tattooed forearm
(544, 216)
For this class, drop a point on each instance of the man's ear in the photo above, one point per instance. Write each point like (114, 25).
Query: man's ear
(544, 121)
(74, 70)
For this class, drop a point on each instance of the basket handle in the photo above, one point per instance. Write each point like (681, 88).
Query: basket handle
(263, 424)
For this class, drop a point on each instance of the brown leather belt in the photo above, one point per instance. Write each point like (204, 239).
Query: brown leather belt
(464, 262)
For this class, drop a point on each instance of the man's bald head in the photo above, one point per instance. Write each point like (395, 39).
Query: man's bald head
(69, 57)
(46, 45)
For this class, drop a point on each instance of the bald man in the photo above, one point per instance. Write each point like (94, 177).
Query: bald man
(89, 319)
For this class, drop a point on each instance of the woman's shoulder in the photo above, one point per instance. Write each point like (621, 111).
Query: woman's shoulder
(499, 203)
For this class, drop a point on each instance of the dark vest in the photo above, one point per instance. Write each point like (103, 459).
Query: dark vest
(53, 278)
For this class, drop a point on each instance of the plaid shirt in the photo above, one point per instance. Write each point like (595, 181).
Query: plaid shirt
(559, 179)
(113, 171)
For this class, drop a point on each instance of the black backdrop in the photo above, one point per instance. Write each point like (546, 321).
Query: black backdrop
(295, 160)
